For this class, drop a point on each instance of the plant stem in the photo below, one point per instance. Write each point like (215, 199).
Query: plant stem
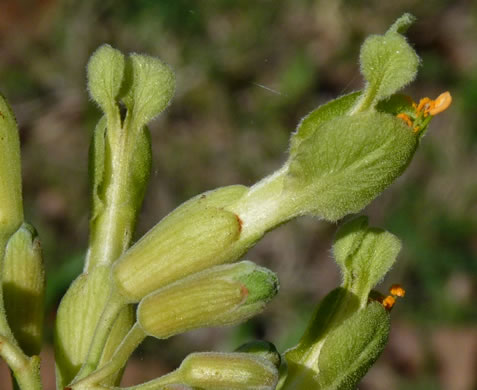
(113, 307)
(112, 231)
(135, 336)
(265, 206)
(158, 383)
(26, 370)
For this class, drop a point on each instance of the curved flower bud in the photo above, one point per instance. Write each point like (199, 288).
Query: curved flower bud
(220, 296)
(196, 236)
(228, 371)
(11, 208)
(24, 288)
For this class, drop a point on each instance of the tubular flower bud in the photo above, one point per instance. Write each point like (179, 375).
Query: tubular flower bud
(223, 295)
(24, 288)
(228, 371)
(196, 236)
(11, 209)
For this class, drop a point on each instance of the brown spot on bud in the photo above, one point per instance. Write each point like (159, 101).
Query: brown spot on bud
(240, 222)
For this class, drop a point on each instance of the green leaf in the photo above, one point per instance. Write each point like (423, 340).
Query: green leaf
(347, 162)
(388, 63)
(331, 311)
(352, 348)
(302, 359)
(347, 241)
(150, 85)
(310, 123)
(364, 255)
(105, 76)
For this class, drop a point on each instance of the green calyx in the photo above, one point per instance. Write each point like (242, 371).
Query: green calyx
(220, 296)
(11, 206)
(196, 236)
(228, 371)
(23, 283)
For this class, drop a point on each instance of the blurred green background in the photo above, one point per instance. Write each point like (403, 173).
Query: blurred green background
(247, 71)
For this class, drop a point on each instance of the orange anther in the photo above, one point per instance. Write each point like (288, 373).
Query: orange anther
(405, 118)
(442, 102)
(423, 104)
(397, 290)
(389, 302)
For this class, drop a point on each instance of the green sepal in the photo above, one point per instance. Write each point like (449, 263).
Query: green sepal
(23, 283)
(364, 255)
(149, 87)
(264, 349)
(351, 349)
(197, 235)
(311, 122)
(220, 296)
(104, 185)
(397, 104)
(388, 63)
(341, 334)
(228, 371)
(96, 168)
(121, 326)
(334, 308)
(141, 165)
(76, 320)
(11, 207)
(267, 351)
(347, 162)
(105, 77)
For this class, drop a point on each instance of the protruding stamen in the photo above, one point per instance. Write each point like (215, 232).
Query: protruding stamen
(405, 118)
(389, 302)
(397, 290)
(442, 102)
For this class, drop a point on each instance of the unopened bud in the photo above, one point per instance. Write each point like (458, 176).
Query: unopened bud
(223, 295)
(192, 238)
(11, 209)
(24, 288)
(228, 371)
